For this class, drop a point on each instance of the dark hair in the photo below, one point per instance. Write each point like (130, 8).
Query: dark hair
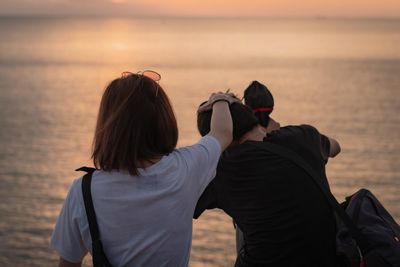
(135, 123)
(256, 96)
(242, 118)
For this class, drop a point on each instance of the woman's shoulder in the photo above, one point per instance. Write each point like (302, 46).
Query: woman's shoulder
(205, 141)
(206, 146)
(75, 195)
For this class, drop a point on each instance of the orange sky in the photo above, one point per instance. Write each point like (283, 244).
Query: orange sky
(286, 8)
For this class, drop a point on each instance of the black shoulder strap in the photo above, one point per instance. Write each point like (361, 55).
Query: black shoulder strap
(299, 161)
(98, 255)
(87, 198)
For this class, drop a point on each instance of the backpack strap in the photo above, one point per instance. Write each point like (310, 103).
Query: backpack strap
(300, 162)
(98, 255)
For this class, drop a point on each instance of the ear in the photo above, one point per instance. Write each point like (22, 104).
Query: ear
(272, 125)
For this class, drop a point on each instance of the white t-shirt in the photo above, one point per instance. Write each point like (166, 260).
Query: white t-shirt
(144, 220)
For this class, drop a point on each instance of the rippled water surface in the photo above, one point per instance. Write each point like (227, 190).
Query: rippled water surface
(341, 76)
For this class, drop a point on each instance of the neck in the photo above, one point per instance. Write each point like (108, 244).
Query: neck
(149, 162)
(256, 134)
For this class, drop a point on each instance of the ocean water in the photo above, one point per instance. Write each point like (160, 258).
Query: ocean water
(342, 76)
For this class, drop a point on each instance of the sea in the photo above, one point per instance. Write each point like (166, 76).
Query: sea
(340, 75)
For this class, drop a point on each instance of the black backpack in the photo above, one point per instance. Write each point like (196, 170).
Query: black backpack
(381, 246)
(367, 235)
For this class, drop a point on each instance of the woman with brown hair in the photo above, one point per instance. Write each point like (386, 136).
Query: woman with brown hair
(144, 189)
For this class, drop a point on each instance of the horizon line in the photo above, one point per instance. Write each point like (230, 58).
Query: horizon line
(146, 16)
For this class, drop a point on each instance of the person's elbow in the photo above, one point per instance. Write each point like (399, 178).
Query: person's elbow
(334, 148)
(64, 263)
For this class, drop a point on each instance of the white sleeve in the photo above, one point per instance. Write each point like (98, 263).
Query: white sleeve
(66, 238)
(202, 160)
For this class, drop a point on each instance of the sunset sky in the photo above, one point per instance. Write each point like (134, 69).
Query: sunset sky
(269, 8)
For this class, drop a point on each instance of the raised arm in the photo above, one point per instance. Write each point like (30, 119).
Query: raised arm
(221, 126)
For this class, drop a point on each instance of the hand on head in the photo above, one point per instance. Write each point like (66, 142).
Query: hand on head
(216, 97)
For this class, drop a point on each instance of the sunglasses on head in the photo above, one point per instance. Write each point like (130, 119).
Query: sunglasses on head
(155, 76)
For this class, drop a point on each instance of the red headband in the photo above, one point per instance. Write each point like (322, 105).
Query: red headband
(262, 109)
